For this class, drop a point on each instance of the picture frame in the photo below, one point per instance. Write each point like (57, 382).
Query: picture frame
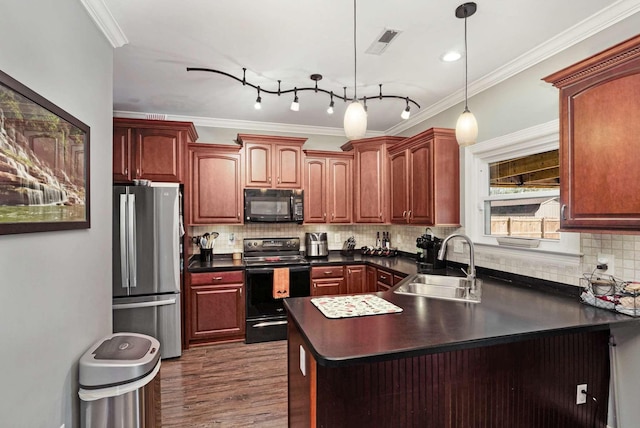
(44, 163)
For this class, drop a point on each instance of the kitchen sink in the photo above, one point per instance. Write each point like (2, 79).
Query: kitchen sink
(442, 287)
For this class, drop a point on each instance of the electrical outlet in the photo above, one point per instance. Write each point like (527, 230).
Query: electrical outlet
(608, 261)
(581, 397)
(232, 238)
(398, 238)
(458, 246)
(336, 238)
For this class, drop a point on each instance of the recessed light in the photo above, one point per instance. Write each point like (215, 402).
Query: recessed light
(451, 56)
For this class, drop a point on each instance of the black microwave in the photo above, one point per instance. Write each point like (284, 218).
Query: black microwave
(273, 206)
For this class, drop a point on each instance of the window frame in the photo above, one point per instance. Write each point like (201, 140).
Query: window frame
(529, 141)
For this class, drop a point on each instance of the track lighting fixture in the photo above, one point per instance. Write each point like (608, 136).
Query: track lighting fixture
(467, 125)
(355, 117)
(295, 105)
(258, 104)
(406, 112)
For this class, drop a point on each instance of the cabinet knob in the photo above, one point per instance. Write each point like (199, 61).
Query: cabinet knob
(324, 215)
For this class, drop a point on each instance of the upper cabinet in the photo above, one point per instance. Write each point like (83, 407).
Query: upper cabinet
(425, 179)
(150, 149)
(328, 187)
(272, 162)
(599, 128)
(370, 177)
(214, 184)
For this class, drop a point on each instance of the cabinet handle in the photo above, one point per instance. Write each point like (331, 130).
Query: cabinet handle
(324, 215)
(328, 272)
(383, 277)
(404, 213)
(333, 215)
(278, 180)
(380, 216)
(238, 216)
(564, 207)
(409, 216)
(349, 271)
(138, 172)
(126, 171)
(269, 179)
(217, 278)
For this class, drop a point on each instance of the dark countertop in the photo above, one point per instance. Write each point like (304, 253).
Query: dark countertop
(220, 263)
(508, 312)
(400, 265)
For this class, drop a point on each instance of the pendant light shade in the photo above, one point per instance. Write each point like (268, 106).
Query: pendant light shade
(467, 125)
(466, 129)
(355, 121)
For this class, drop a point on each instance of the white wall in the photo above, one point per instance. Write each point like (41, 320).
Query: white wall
(56, 286)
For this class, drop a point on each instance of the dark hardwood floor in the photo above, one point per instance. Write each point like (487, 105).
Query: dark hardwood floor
(227, 385)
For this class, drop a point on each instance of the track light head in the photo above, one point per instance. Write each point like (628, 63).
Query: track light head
(295, 105)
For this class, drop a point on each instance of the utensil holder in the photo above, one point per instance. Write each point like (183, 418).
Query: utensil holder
(206, 254)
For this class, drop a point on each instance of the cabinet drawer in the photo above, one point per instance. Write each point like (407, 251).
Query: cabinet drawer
(398, 278)
(384, 277)
(327, 272)
(209, 278)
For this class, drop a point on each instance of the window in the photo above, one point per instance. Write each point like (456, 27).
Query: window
(524, 197)
(512, 192)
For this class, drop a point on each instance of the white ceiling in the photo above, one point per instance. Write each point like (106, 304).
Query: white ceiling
(292, 39)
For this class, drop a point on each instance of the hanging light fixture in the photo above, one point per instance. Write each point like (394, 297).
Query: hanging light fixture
(331, 104)
(295, 105)
(406, 112)
(466, 126)
(258, 104)
(355, 118)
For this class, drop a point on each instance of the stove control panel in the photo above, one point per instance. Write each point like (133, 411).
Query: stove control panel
(271, 244)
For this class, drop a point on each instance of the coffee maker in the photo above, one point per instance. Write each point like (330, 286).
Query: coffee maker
(427, 255)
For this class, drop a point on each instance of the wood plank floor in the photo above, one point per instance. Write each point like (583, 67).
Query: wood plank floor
(226, 385)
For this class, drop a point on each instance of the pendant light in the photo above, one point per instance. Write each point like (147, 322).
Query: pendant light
(355, 118)
(466, 126)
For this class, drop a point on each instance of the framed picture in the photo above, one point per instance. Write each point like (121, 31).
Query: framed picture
(44, 163)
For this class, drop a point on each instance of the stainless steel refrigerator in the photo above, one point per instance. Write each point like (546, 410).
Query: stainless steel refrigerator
(146, 263)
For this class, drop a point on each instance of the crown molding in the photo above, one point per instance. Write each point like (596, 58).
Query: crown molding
(247, 125)
(105, 22)
(597, 22)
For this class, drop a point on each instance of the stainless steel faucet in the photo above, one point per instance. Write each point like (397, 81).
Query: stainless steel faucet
(471, 271)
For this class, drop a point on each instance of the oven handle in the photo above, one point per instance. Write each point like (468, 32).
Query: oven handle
(268, 324)
(270, 269)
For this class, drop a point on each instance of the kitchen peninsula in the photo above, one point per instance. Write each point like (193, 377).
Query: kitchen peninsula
(513, 360)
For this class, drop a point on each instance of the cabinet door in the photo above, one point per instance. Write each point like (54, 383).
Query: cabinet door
(215, 188)
(258, 165)
(327, 287)
(315, 204)
(287, 165)
(371, 280)
(122, 140)
(340, 196)
(217, 312)
(399, 196)
(420, 184)
(356, 279)
(158, 155)
(369, 186)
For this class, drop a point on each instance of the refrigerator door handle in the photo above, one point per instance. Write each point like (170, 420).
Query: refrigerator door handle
(131, 223)
(124, 266)
(144, 304)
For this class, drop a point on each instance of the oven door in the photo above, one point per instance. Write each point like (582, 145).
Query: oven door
(266, 316)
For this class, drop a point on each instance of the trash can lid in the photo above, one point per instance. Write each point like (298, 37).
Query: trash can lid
(118, 359)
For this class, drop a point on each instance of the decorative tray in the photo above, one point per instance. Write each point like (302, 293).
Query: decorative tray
(354, 306)
(608, 292)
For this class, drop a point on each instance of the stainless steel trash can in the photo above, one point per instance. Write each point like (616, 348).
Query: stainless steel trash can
(120, 382)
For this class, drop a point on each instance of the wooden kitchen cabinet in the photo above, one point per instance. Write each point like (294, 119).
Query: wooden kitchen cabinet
(384, 280)
(371, 181)
(356, 279)
(328, 192)
(272, 162)
(327, 280)
(214, 184)
(372, 281)
(425, 179)
(216, 310)
(150, 149)
(599, 173)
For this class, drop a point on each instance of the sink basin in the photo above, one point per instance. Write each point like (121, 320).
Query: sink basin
(441, 287)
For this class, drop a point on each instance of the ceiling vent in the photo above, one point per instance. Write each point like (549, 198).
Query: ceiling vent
(156, 116)
(381, 42)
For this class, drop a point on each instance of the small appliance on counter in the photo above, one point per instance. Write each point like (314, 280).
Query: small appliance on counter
(427, 255)
(316, 244)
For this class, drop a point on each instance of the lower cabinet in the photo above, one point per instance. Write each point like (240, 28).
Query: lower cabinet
(327, 280)
(384, 280)
(371, 285)
(356, 279)
(216, 307)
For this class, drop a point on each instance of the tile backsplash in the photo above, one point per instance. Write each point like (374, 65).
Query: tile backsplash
(624, 249)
